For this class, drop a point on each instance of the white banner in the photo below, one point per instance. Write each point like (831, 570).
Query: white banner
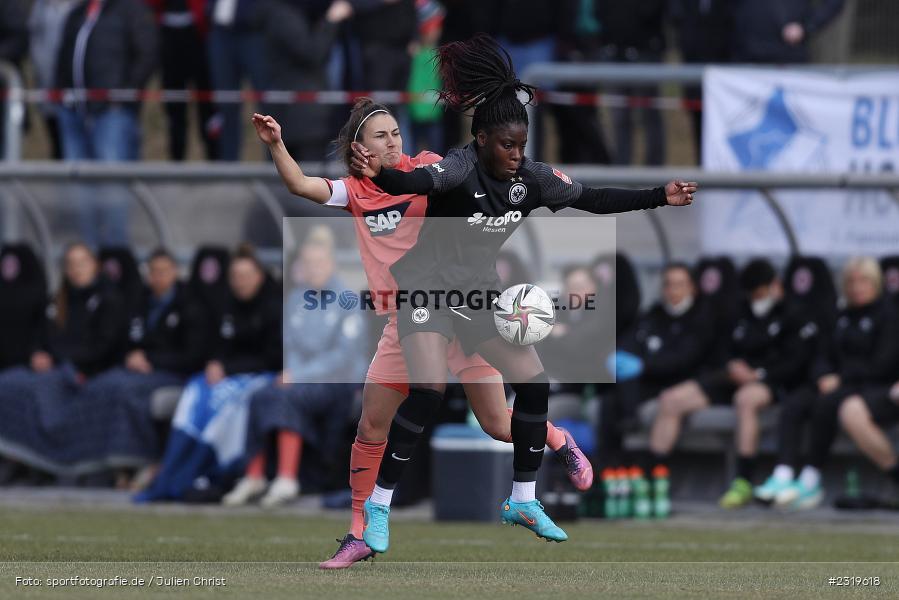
(788, 121)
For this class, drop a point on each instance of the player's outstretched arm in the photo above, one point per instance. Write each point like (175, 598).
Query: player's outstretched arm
(604, 201)
(313, 188)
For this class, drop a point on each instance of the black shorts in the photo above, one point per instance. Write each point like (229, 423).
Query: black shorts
(884, 411)
(720, 390)
(717, 389)
(471, 326)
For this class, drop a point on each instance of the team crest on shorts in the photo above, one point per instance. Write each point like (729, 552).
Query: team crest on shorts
(517, 193)
(420, 315)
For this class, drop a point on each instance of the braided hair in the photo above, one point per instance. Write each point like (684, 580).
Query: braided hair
(478, 74)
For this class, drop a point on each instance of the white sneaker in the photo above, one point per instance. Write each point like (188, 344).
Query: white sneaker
(246, 490)
(281, 491)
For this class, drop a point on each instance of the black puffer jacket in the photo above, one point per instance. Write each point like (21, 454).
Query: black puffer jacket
(672, 347)
(91, 334)
(23, 303)
(121, 51)
(176, 340)
(782, 344)
(249, 335)
(297, 50)
(864, 346)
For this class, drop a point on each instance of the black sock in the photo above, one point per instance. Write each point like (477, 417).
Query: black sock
(413, 415)
(745, 467)
(894, 473)
(529, 426)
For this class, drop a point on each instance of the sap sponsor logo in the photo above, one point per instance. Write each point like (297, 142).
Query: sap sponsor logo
(494, 224)
(384, 221)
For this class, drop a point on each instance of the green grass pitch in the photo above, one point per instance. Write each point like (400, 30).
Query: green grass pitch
(269, 556)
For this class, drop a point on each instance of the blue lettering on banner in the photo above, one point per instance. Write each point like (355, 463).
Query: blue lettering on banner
(882, 140)
(861, 126)
(875, 121)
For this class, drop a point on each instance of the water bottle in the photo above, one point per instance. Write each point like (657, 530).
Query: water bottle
(624, 493)
(640, 487)
(853, 485)
(660, 489)
(610, 487)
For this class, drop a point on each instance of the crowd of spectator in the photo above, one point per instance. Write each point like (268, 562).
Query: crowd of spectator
(81, 375)
(317, 45)
(754, 340)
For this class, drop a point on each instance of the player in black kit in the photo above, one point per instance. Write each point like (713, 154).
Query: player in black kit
(490, 187)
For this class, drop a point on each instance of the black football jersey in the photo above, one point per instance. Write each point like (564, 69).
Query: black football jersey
(469, 217)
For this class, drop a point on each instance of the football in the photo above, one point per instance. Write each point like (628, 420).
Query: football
(524, 314)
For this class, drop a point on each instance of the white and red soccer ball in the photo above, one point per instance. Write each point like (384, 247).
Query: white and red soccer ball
(524, 314)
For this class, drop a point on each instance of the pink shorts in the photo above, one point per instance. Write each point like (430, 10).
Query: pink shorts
(388, 367)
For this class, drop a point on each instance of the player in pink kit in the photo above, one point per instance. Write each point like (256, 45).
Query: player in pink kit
(386, 227)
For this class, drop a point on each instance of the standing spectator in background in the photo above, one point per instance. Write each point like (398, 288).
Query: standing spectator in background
(106, 44)
(633, 33)
(13, 44)
(580, 132)
(236, 53)
(528, 30)
(704, 30)
(45, 27)
(310, 400)
(862, 356)
(777, 31)
(464, 18)
(299, 37)
(385, 29)
(426, 114)
(183, 27)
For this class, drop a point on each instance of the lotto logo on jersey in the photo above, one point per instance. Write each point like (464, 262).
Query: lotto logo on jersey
(492, 224)
(385, 221)
(562, 176)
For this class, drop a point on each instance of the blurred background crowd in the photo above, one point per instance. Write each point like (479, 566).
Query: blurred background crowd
(386, 45)
(102, 381)
(111, 373)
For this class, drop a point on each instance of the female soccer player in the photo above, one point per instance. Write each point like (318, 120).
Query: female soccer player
(380, 246)
(487, 181)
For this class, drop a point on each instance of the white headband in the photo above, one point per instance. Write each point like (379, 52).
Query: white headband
(362, 122)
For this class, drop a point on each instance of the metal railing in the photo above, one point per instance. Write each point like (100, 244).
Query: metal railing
(260, 179)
